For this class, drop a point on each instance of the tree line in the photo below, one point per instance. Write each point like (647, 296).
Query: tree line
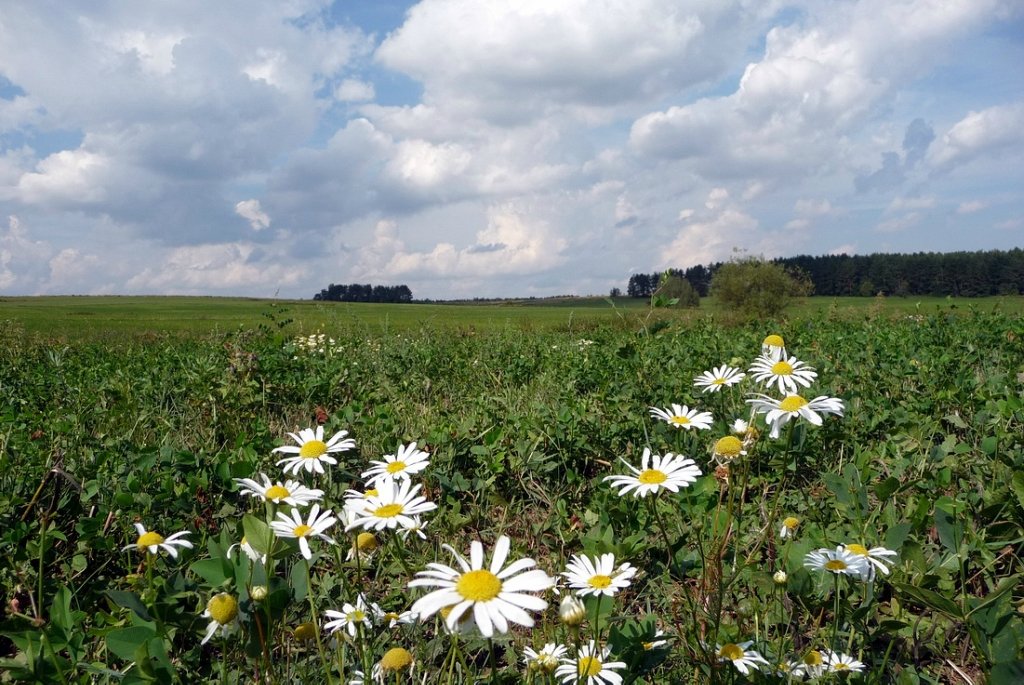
(960, 274)
(357, 292)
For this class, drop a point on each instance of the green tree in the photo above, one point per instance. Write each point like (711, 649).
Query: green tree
(674, 291)
(753, 287)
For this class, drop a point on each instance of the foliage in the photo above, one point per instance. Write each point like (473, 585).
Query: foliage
(356, 292)
(675, 291)
(753, 287)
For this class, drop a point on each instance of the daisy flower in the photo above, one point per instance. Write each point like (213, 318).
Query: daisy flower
(406, 462)
(660, 640)
(590, 667)
(222, 610)
(248, 550)
(597, 576)
(745, 660)
(153, 542)
(546, 660)
(418, 527)
(355, 500)
(774, 346)
(683, 417)
(811, 665)
(788, 526)
(350, 617)
(394, 660)
(874, 558)
(495, 595)
(787, 374)
(571, 611)
(779, 412)
(838, 662)
(669, 472)
(724, 375)
(394, 505)
(291, 492)
(838, 562)
(739, 427)
(392, 618)
(291, 525)
(727, 448)
(312, 452)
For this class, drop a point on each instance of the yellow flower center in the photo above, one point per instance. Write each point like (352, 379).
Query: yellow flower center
(781, 368)
(313, 449)
(858, 549)
(149, 539)
(395, 659)
(366, 542)
(600, 582)
(836, 565)
(276, 492)
(793, 403)
(729, 446)
(791, 522)
(652, 477)
(731, 651)
(304, 631)
(774, 341)
(840, 666)
(391, 616)
(388, 511)
(648, 646)
(478, 586)
(301, 530)
(589, 666)
(223, 608)
(680, 420)
(813, 658)
(356, 616)
(372, 492)
(718, 381)
(396, 467)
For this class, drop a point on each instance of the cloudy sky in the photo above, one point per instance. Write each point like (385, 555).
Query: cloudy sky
(494, 148)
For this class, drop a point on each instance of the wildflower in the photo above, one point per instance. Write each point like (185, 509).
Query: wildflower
(669, 472)
(590, 667)
(365, 545)
(786, 374)
(393, 618)
(291, 492)
(739, 427)
(351, 617)
(779, 412)
(712, 381)
(407, 461)
(659, 641)
(773, 346)
(788, 526)
(874, 558)
(292, 526)
(312, 452)
(683, 417)
(394, 660)
(546, 660)
(572, 611)
(597, 576)
(418, 527)
(222, 610)
(742, 658)
(838, 662)
(810, 665)
(395, 505)
(727, 448)
(355, 500)
(249, 551)
(495, 594)
(838, 562)
(153, 542)
(258, 593)
(780, 577)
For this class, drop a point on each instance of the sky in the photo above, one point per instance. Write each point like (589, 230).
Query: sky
(486, 148)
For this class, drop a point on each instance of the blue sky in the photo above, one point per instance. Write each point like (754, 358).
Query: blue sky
(485, 148)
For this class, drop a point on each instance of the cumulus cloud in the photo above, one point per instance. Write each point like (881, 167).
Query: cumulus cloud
(216, 268)
(900, 223)
(989, 132)
(251, 211)
(971, 206)
(711, 240)
(354, 90)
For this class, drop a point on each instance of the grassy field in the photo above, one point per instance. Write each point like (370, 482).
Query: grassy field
(92, 317)
(878, 540)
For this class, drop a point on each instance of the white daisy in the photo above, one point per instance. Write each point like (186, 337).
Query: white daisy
(355, 500)
(291, 492)
(418, 527)
(779, 412)
(495, 595)
(393, 618)
(351, 617)
(838, 662)
(874, 558)
(681, 416)
(788, 526)
(727, 448)
(394, 505)
(838, 561)
(153, 542)
(739, 427)
(660, 640)
(669, 472)
(590, 667)
(312, 452)
(745, 660)
(222, 610)
(724, 375)
(291, 525)
(406, 462)
(786, 374)
(811, 665)
(773, 346)
(597, 576)
(248, 550)
(544, 661)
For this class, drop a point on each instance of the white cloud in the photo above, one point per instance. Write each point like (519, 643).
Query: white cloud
(217, 267)
(971, 206)
(813, 208)
(845, 248)
(711, 240)
(716, 197)
(902, 204)
(990, 132)
(251, 211)
(900, 223)
(354, 90)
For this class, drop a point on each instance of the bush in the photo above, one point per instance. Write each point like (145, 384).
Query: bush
(753, 287)
(675, 291)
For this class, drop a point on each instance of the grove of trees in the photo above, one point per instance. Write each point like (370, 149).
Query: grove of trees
(356, 292)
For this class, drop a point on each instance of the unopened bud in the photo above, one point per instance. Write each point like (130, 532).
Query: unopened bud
(258, 593)
(571, 611)
(780, 577)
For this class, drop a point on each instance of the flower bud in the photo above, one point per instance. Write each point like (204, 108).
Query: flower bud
(571, 611)
(780, 577)
(258, 593)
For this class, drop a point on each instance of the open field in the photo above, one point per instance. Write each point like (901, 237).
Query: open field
(92, 317)
(885, 542)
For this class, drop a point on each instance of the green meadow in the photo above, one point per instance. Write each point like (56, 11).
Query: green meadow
(850, 511)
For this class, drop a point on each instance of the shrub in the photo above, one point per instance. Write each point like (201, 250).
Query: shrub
(675, 291)
(753, 287)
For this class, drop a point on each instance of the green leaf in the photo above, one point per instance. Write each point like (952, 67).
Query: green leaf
(1017, 484)
(124, 642)
(951, 531)
(886, 488)
(930, 599)
(1005, 585)
(257, 533)
(213, 571)
(129, 600)
(1007, 673)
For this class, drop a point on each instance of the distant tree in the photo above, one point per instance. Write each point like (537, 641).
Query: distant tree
(615, 292)
(675, 291)
(753, 287)
(356, 292)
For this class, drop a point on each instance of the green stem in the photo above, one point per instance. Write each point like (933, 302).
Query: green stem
(316, 623)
